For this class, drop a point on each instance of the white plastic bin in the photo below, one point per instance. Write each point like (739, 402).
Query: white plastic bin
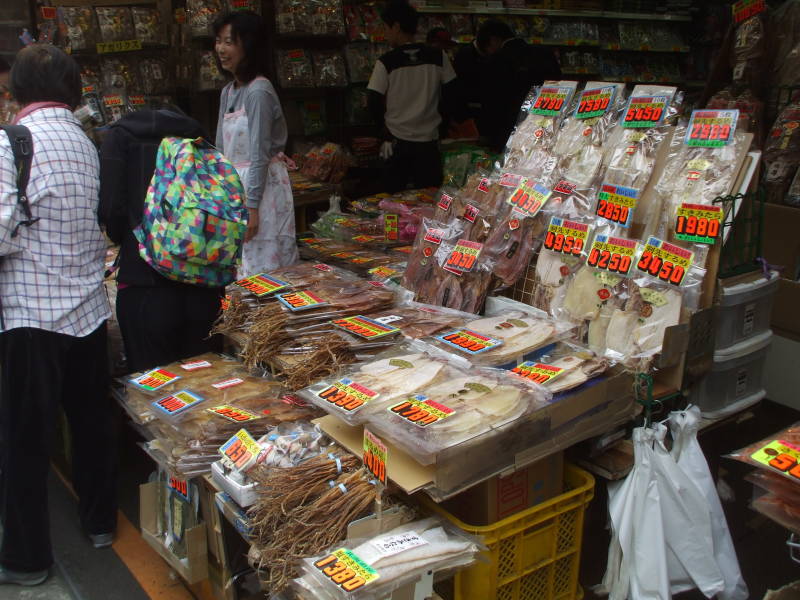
(735, 379)
(243, 495)
(744, 310)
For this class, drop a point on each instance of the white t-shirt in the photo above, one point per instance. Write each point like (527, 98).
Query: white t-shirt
(411, 78)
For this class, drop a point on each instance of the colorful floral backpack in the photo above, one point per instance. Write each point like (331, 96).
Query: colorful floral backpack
(194, 218)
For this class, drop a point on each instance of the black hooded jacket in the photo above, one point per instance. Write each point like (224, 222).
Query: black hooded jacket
(127, 163)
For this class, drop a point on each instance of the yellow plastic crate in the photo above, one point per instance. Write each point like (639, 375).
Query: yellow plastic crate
(534, 554)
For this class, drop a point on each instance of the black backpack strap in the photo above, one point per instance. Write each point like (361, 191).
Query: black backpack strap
(22, 148)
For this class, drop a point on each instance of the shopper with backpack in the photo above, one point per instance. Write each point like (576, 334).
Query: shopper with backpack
(251, 132)
(54, 310)
(172, 203)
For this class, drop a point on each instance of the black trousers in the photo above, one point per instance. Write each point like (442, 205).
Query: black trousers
(40, 370)
(160, 325)
(414, 164)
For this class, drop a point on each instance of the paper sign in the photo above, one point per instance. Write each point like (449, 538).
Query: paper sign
(711, 128)
(177, 402)
(595, 102)
(375, 455)
(395, 544)
(384, 272)
(780, 456)
(434, 236)
(120, 46)
(323, 267)
(179, 487)
(346, 570)
(616, 203)
(347, 395)
(698, 223)
(365, 327)
(241, 450)
(551, 101)
(221, 385)
(666, 262)
(155, 379)
(297, 301)
(469, 341)
(390, 227)
(612, 254)
(262, 284)
(463, 257)
(198, 364)
(744, 9)
(645, 111)
(445, 201)
(537, 372)
(421, 411)
(237, 415)
(529, 198)
(510, 180)
(566, 237)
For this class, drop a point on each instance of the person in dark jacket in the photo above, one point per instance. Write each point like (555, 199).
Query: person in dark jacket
(512, 69)
(161, 320)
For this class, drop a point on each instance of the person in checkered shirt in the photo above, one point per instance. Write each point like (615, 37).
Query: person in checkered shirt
(54, 311)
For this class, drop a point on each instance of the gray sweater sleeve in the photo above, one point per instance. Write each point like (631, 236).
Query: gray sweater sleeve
(259, 104)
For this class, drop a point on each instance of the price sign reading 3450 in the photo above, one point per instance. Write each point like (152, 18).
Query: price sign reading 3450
(664, 261)
(711, 128)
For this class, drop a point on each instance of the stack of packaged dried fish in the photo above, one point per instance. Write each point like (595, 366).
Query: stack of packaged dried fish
(563, 368)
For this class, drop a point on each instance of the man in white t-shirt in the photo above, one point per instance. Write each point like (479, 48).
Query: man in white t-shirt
(406, 86)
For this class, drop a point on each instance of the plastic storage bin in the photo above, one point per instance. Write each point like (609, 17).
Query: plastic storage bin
(534, 554)
(744, 310)
(736, 375)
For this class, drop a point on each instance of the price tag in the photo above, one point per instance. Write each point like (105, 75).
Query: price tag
(565, 187)
(262, 284)
(179, 487)
(361, 260)
(666, 262)
(177, 402)
(445, 201)
(645, 111)
(366, 239)
(155, 379)
(121, 46)
(376, 455)
(551, 101)
(48, 12)
(390, 227)
(781, 456)
(463, 257)
(698, 223)
(510, 180)
(711, 128)
(231, 413)
(529, 198)
(198, 364)
(595, 102)
(296, 55)
(297, 301)
(323, 267)
(421, 411)
(384, 272)
(403, 249)
(343, 255)
(221, 385)
(566, 237)
(537, 372)
(347, 395)
(744, 9)
(395, 544)
(434, 236)
(136, 100)
(616, 203)
(365, 328)
(346, 570)
(241, 450)
(611, 254)
(471, 213)
(469, 342)
(113, 100)
(483, 185)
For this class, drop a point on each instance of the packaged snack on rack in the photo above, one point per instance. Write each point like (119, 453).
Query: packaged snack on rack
(78, 27)
(289, 17)
(148, 25)
(295, 68)
(782, 153)
(119, 76)
(252, 5)
(327, 17)
(201, 15)
(115, 23)
(360, 61)
(154, 73)
(313, 114)
(358, 114)
(329, 68)
(749, 50)
(372, 23)
(461, 29)
(355, 26)
(778, 454)
(209, 76)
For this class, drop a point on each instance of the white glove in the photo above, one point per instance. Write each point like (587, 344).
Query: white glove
(386, 151)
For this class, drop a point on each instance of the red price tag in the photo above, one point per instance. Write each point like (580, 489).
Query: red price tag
(551, 101)
(595, 102)
(615, 203)
(711, 128)
(566, 237)
(390, 227)
(421, 411)
(375, 455)
(614, 255)
(698, 223)
(529, 199)
(665, 262)
(645, 111)
(463, 257)
(744, 9)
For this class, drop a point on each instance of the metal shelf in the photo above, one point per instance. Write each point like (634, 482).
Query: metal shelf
(542, 12)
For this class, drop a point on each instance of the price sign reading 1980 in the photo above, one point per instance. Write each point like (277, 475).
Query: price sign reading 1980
(711, 128)
(698, 223)
(551, 101)
(595, 102)
(645, 111)
(665, 262)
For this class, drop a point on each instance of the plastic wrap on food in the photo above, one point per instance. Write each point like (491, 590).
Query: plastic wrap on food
(295, 68)
(329, 69)
(154, 74)
(782, 153)
(563, 368)
(360, 60)
(431, 235)
(115, 23)
(749, 50)
(78, 26)
(778, 453)
(148, 25)
(201, 15)
(209, 76)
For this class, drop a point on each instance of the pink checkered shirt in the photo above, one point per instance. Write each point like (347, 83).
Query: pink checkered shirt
(51, 274)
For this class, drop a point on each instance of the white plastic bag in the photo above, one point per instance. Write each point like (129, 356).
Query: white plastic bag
(689, 456)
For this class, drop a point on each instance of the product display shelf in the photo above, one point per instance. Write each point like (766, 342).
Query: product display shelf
(543, 12)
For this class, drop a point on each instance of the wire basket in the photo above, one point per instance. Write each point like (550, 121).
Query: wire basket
(742, 232)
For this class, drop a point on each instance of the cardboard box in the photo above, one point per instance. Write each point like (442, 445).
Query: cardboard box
(500, 497)
(785, 315)
(781, 244)
(193, 568)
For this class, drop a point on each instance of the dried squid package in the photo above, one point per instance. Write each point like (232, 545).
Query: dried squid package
(563, 368)
(475, 403)
(782, 153)
(749, 51)
(400, 371)
(633, 148)
(202, 14)
(778, 454)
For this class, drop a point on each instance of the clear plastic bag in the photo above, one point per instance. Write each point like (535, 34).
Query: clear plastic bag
(201, 15)
(360, 61)
(563, 368)
(209, 76)
(154, 74)
(148, 26)
(295, 68)
(115, 23)
(78, 26)
(329, 69)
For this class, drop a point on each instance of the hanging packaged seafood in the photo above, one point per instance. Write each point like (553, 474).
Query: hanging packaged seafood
(782, 153)
(563, 368)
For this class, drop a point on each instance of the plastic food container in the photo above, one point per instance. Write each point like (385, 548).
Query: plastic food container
(744, 310)
(736, 375)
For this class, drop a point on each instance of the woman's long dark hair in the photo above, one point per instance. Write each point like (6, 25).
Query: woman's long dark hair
(248, 28)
